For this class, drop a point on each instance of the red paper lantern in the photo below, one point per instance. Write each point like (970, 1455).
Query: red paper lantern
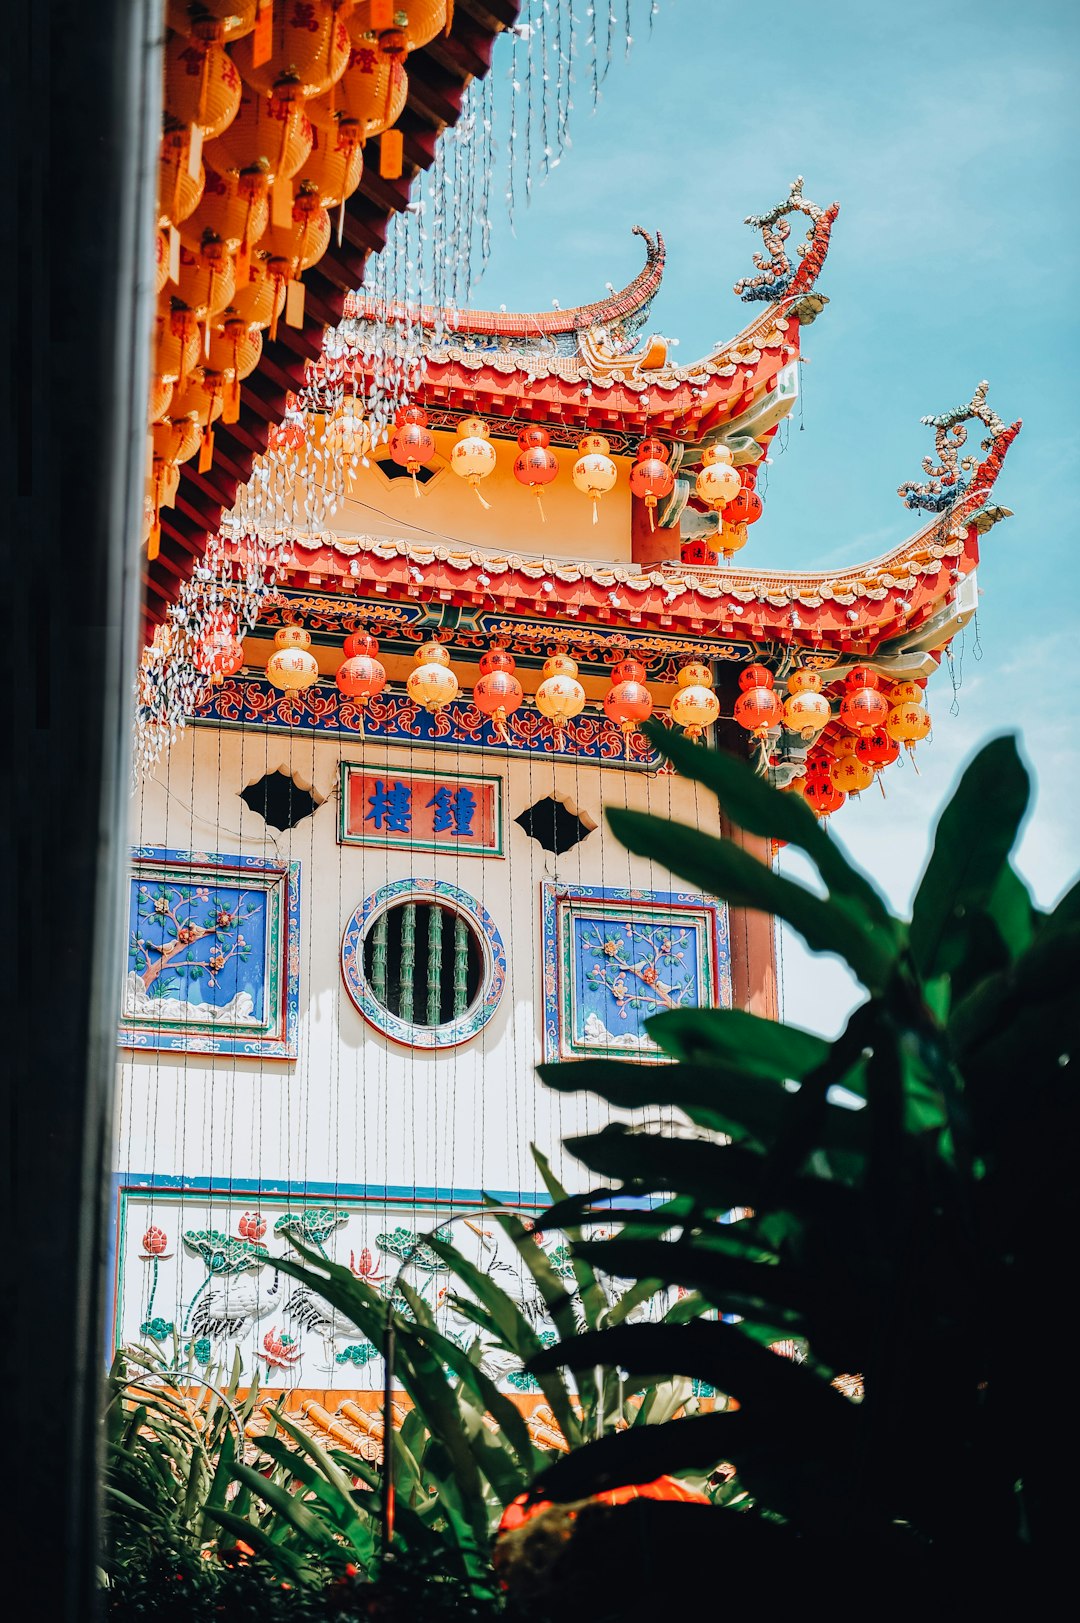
(534, 435)
(497, 659)
(822, 795)
(498, 693)
(358, 643)
(650, 477)
(226, 658)
(536, 465)
(412, 444)
(758, 709)
(628, 701)
(360, 676)
(745, 508)
(756, 676)
(876, 748)
(863, 709)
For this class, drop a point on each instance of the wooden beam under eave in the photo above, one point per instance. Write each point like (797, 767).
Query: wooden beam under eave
(288, 376)
(344, 272)
(153, 586)
(261, 409)
(202, 511)
(466, 52)
(329, 278)
(304, 342)
(494, 15)
(217, 488)
(174, 558)
(350, 258)
(435, 91)
(389, 196)
(231, 455)
(420, 143)
(285, 360)
(366, 228)
(188, 537)
(319, 301)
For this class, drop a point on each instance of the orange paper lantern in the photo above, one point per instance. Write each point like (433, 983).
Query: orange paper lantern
(309, 52)
(202, 86)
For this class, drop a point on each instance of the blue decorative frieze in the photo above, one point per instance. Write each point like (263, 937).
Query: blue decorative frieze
(395, 719)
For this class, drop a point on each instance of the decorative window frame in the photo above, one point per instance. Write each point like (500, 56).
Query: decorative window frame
(562, 1038)
(275, 1037)
(411, 1035)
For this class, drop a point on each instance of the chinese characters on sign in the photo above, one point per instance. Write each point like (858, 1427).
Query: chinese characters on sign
(426, 811)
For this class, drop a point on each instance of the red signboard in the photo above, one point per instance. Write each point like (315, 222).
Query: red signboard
(425, 811)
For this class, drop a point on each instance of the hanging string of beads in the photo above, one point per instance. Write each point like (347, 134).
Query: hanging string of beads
(262, 109)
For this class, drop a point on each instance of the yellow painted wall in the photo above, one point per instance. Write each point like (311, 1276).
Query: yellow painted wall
(448, 510)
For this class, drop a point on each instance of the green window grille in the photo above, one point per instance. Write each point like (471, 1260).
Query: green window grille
(424, 962)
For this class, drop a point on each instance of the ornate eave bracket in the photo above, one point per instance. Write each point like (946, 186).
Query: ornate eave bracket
(778, 277)
(956, 477)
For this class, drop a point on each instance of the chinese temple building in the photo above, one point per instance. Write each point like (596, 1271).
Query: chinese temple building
(372, 885)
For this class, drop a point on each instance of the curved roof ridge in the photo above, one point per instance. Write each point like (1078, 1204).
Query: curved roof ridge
(960, 515)
(635, 296)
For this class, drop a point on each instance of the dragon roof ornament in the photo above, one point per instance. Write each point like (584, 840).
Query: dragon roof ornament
(945, 483)
(777, 277)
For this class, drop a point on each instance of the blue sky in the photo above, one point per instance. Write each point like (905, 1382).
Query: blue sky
(949, 136)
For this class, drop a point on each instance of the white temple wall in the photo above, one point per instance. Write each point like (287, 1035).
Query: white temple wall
(354, 1107)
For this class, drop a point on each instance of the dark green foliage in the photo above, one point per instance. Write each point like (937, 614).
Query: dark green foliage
(252, 1591)
(918, 1242)
(201, 1516)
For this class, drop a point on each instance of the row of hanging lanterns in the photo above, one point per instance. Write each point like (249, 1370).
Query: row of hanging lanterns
(473, 458)
(268, 105)
(846, 765)
(498, 693)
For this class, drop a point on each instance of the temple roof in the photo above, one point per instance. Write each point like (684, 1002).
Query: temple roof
(633, 301)
(857, 610)
(578, 369)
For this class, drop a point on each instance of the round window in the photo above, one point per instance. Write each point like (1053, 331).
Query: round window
(424, 963)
